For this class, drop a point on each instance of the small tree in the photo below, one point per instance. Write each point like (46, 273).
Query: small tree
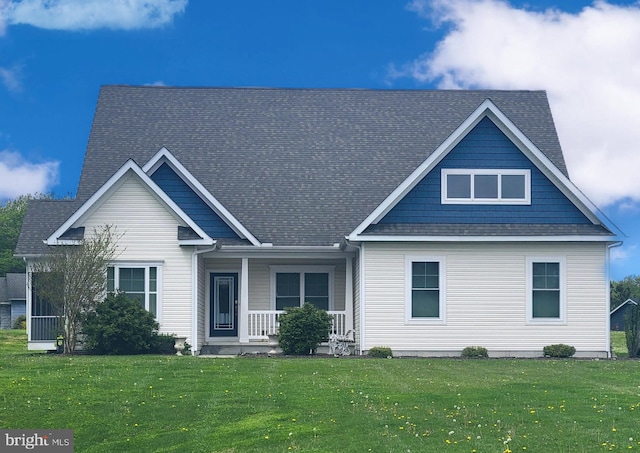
(303, 329)
(120, 325)
(632, 331)
(72, 279)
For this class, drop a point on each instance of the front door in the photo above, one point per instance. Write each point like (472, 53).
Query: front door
(223, 305)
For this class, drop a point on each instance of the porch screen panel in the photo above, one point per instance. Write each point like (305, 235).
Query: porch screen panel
(287, 290)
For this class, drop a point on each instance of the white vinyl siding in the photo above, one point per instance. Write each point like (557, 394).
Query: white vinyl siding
(149, 235)
(486, 299)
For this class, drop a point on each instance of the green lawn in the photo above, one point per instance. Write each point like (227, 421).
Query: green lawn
(187, 404)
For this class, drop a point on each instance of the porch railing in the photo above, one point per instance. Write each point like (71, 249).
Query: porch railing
(263, 323)
(44, 328)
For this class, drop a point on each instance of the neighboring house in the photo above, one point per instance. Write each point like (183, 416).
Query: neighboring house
(425, 221)
(13, 290)
(618, 314)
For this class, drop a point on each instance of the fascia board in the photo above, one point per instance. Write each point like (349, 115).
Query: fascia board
(434, 158)
(165, 154)
(564, 238)
(109, 187)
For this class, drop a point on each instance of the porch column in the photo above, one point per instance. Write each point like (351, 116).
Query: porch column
(244, 302)
(348, 296)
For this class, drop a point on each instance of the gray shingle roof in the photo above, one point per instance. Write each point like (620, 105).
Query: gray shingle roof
(487, 229)
(41, 219)
(294, 166)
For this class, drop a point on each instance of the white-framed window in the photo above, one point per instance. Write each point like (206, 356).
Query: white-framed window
(425, 289)
(485, 186)
(139, 281)
(546, 290)
(292, 286)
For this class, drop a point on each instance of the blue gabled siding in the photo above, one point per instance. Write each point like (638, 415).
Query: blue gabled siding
(191, 203)
(485, 147)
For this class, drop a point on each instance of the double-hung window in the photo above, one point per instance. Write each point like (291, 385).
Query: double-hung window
(485, 186)
(425, 289)
(138, 282)
(292, 286)
(546, 283)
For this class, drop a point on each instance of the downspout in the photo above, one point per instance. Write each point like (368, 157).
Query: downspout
(608, 280)
(361, 327)
(194, 295)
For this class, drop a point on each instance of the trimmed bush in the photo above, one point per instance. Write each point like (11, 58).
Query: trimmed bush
(120, 326)
(381, 352)
(303, 329)
(20, 322)
(559, 351)
(163, 344)
(475, 352)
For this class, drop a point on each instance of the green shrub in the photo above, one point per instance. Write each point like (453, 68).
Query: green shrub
(303, 329)
(163, 344)
(381, 352)
(558, 350)
(632, 331)
(20, 322)
(475, 352)
(120, 326)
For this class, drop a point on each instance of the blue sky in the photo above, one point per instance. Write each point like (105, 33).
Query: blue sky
(55, 55)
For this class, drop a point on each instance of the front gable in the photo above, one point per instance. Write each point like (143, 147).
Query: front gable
(486, 143)
(485, 147)
(134, 190)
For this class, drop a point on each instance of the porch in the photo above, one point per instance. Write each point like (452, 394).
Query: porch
(241, 299)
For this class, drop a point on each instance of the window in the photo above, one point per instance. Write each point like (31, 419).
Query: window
(139, 282)
(293, 286)
(425, 289)
(545, 290)
(486, 186)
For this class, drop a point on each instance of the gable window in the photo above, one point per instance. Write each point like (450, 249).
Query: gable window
(138, 282)
(293, 286)
(545, 291)
(425, 292)
(483, 186)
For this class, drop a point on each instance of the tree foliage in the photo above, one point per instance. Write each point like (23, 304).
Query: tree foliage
(303, 329)
(72, 279)
(632, 331)
(11, 217)
(627, 288)
(119, 326)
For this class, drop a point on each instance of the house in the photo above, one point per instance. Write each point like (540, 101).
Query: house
(619, 313)
(13, 289)
(422, 220)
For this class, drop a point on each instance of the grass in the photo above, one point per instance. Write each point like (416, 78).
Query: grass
(187, 404)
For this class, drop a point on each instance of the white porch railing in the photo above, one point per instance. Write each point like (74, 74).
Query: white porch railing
(263, 323)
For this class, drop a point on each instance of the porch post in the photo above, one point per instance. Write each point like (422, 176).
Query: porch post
(348, 296)
(244, 302)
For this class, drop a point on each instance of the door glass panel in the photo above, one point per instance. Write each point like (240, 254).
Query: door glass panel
(224, 298)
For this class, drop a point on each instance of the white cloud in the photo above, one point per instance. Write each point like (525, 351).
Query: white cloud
(11, 78)
(588, 62)
(90, 14)
(19, 177)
